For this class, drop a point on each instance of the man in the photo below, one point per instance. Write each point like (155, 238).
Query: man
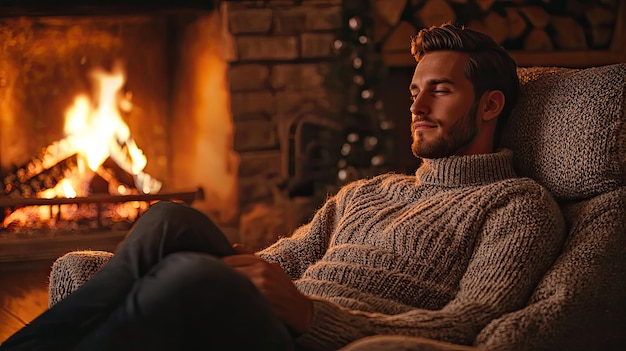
(436, 255)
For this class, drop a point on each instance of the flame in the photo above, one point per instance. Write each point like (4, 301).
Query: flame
(94, 132)
(94, 128)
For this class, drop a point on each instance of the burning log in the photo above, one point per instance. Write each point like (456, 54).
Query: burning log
(50, 156)
(25, 183)
(123, 156)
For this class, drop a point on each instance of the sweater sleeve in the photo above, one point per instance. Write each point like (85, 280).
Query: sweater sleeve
(519, 240)
(309, 242)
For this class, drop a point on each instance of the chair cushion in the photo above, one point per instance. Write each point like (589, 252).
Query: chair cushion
(568, 130)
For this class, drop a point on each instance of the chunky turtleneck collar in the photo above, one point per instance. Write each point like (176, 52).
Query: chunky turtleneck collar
(456, 171)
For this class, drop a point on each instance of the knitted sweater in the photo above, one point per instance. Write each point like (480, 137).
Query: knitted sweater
(436, 255)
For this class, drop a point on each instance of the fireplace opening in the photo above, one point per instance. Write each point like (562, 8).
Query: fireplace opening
(146, 91)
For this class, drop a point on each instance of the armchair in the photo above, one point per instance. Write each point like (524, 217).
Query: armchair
(568, 132)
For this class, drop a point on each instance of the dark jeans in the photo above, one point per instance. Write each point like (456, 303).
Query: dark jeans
(164, 289)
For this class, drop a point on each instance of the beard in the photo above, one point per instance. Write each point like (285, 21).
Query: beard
(460, 134)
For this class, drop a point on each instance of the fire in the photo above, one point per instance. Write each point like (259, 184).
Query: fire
(94, 132)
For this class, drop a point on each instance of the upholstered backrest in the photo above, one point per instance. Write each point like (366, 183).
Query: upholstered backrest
(569, 133)
(568, 130)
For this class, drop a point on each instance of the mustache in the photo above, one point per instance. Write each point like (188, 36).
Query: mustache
(423, 118)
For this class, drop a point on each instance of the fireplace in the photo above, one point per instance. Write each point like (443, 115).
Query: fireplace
(225, 100)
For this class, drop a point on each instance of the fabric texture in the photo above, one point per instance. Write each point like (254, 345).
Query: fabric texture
(72, 270)
(568, 131)
(579, 304)
(403, 343)
(391, 249)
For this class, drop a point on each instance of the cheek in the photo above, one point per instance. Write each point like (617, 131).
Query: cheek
(457, 112)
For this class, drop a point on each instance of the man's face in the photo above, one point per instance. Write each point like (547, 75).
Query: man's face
(443, 112)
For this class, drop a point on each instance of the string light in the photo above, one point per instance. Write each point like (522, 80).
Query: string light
(367, 147)
(354, 23)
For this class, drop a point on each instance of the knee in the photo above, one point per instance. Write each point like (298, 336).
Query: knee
(168, 208)
(199, 268)
(172, 212)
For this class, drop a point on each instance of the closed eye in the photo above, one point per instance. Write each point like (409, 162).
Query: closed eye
(441, 91)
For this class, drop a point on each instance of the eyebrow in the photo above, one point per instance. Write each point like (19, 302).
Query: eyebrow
(434, 81)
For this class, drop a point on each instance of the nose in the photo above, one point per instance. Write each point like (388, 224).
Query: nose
(420, 106)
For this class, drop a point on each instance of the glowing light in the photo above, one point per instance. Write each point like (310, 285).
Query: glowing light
(94, 127)
(68, 191)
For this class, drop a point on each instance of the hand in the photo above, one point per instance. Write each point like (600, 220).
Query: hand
(289, 304)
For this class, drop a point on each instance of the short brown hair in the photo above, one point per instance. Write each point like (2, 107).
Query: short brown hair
(489, 66)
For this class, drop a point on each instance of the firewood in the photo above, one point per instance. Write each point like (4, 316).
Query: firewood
(49, 156)
(478, 26)
(599, 16)
(485, 4)
(415, 3)
(570, 35)
(435, 12)
(381, 30)
(47, 179)
(115, 186)
(537, 16)
(494, 26)
(497, 27)
(538, 40)
(601, 36)
(143, 181)
(388, 11)
(517, 25)
(399, 38)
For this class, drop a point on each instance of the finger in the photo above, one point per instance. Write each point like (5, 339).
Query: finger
(241, 260)
(241, 250)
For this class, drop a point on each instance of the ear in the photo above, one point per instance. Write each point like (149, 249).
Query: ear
(493, 103)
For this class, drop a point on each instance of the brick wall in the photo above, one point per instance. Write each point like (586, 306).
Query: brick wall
(281, 52)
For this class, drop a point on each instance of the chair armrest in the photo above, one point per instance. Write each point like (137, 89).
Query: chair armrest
(403, 343)
(579, 304)
(72, 270)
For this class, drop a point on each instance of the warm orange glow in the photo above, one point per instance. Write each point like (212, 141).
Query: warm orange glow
(95, 131)
(94, 128)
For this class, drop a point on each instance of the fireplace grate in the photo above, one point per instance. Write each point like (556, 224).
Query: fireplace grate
(48, 243)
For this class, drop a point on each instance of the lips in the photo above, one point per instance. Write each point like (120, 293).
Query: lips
(422, 125)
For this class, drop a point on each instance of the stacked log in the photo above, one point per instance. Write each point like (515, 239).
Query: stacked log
(518, 25)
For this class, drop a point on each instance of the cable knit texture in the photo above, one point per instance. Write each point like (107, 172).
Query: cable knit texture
(388, 256)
